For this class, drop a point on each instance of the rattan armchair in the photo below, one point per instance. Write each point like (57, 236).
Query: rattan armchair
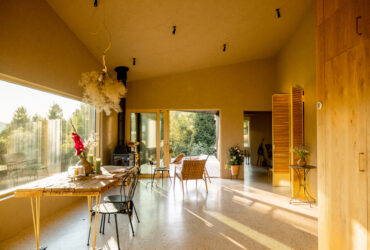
(191, 170)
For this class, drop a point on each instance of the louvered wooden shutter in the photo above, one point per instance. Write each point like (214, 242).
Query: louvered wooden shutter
(280, 139)
(296, 134)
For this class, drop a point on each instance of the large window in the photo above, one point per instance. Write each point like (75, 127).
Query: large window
(35, 133)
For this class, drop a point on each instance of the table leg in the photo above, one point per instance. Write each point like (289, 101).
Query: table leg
(169, 176)
(96, 218)
(308, 196)
(299, 187)
(153, 175)
(35, 206)
(162, 178)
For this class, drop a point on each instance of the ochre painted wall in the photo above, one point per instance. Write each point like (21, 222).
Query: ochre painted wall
(37, 47)
(296, 66)
(230, 89)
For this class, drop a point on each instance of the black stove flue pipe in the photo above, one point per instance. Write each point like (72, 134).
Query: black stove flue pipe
(121, 147)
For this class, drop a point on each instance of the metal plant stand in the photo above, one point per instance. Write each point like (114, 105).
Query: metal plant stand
(302, 184)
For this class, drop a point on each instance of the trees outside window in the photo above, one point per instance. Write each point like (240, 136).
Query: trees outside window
(192, 133)
(33, 146)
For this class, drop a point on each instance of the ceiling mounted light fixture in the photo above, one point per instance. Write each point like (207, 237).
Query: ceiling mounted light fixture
(278, 13)
(99, 89)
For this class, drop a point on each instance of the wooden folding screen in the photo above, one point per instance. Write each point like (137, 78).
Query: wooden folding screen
(280, 139)
(296, 133)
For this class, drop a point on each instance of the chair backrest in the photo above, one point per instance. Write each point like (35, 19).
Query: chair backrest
(193, 169)
(178, 159)
(129, 184)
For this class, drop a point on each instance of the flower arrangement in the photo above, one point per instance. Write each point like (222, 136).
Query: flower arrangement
(83, 148)
(236, 156)
(102, 91)
(302, 152)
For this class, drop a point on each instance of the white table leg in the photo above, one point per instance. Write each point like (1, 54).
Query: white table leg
(96, 218)
(35, 205)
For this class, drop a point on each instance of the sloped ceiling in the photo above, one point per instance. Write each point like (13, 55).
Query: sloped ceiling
(143, 29)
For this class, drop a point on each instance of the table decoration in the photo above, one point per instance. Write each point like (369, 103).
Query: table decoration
(97, 165)
(82, 149)
(75, 172)
(90, 159)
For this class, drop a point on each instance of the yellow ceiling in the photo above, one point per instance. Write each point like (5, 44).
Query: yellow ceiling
(143, 29)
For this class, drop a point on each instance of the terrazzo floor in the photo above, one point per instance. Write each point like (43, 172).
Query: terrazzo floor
(235, 214)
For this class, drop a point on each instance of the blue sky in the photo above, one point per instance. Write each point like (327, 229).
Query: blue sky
(35, 101)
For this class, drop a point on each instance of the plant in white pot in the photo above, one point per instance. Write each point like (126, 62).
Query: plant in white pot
(236, 158)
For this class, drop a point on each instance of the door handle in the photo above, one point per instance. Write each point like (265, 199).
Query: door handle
(357, 29)
(359, 162)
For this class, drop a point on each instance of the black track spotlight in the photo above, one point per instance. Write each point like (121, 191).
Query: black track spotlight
(224, 48)
(278, 13)
(173, 30)
(95, 3)
(134, 61)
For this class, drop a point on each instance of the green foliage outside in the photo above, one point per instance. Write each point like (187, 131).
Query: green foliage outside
(192, 133)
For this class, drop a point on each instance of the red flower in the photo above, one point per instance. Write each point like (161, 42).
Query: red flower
(79, 146)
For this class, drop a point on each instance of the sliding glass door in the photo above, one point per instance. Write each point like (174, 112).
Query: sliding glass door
(150, 128)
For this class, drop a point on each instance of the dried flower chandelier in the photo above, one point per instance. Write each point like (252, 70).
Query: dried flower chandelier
(100, 90)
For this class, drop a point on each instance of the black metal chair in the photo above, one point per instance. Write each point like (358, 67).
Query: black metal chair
(124, 206)
(122, 197)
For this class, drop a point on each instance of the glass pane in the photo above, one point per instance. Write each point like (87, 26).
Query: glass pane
(194, 134)
(161, 126)
(133, 136)
(147, 136)
(35, 133)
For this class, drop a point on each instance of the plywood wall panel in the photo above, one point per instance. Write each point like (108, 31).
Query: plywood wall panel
(342, 87)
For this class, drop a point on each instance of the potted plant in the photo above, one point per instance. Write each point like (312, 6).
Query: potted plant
(302, 152)
(236, 158)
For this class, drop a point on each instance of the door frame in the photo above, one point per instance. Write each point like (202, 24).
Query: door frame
(166, 146)
(166, 158)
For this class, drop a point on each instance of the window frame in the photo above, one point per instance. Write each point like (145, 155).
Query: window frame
(9, 193)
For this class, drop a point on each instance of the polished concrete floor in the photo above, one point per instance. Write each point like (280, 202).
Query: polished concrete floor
(235, 214)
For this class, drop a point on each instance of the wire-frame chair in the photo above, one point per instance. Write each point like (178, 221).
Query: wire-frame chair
(126, 206)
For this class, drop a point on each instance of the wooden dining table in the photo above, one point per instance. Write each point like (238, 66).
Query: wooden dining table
(92, 186)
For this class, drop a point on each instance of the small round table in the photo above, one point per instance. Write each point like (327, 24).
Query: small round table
(161, 170)
(302, 183)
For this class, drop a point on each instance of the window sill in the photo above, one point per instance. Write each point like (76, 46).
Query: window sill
(6, 194)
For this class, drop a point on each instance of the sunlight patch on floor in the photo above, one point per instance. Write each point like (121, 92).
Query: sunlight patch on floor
(233, 241)
(274, 200)
(305, 224)
(208, 224)
(262, 239)
(110, 244)
(255, 205)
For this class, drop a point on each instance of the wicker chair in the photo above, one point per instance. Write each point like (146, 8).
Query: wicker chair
(190, 170)
(178, 159)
